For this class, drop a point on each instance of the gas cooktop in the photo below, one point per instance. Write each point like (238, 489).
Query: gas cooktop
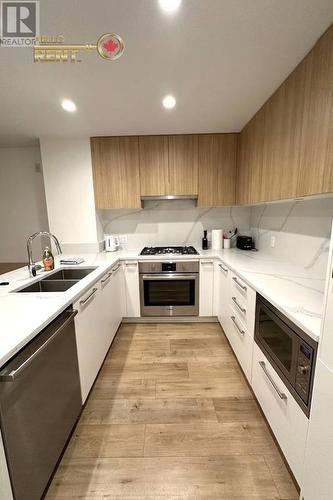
(169, 251)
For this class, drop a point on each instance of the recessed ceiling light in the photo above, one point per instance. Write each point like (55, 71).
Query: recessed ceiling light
(68, 105)
(169, 5)
(169, 102)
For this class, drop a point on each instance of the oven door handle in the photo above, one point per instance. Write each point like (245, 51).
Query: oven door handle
(281, 395)
(174, 276)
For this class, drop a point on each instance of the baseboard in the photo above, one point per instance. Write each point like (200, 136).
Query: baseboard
(173, 319)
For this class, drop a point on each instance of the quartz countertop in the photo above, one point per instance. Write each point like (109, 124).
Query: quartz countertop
(294, 291)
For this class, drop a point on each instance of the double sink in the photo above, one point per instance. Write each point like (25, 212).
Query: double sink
(60, 281)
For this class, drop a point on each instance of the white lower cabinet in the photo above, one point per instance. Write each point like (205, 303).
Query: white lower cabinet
(318, 477)
(132, 293)
(206, 287)
(287, 420)
(90, 337)
(240, 340)
(99, 315)
(112, 297)
(223, 274)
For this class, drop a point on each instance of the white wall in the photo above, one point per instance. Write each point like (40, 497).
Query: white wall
(22, 202)
(302, 231)
(171, 223)
(69, 193)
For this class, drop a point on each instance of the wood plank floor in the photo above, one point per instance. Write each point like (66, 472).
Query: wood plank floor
(171, 418)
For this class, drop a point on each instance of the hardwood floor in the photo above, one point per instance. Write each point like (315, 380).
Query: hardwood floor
(171, 418)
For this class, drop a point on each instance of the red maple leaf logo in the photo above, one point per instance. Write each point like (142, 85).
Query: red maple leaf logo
(110, 45)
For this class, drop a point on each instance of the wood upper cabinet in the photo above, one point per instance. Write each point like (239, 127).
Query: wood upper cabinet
(183, 164)
(250, 161)
(286, 150)
(217, 169)
(316, 160)
(115, 164)
(154, 165)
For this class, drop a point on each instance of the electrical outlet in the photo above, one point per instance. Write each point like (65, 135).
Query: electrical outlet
(273, 241)
(123, 239)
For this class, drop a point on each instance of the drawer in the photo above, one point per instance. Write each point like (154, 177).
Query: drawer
(287, 420)
(240, 340)
(243, 301)
(243, 310)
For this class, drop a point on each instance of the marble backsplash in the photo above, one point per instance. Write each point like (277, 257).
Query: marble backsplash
(301, 229)
(171, 223)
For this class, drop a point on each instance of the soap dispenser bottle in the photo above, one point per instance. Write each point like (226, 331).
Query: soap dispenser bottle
(205, 241)
(48, 259)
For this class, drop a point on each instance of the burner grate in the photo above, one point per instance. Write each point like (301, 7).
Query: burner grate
(177, 250)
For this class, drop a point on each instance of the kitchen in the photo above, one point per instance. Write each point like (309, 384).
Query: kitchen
(166, 250)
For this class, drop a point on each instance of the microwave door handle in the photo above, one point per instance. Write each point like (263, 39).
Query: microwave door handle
(167, 277)
(281, 395)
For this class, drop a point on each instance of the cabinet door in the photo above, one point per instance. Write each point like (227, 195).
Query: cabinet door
(183, 164)
(206, 288)
(90, 337)
(217, 169)
(115, 164)
(131, 273)
(154, 165)
(316, 169)
(224, 292)
(250, 166)
(111, 305)
(318, 477)
(286, 419)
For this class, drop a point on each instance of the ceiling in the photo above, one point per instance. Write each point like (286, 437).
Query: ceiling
(220, 58)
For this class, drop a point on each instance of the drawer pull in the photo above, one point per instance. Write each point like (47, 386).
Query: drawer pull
(237, 326)
(106, 278)
(129, 264)
(224, 268)
(281, 395)
(84, 301)
(207, 262)
(116, 269)
(243, 287)
(242, 309)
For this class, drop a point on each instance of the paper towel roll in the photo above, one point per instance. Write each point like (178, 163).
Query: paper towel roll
(217, 239)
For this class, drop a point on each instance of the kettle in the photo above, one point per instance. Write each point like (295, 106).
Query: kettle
(112, 242)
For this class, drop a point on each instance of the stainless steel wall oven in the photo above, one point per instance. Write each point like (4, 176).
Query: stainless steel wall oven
(169, 288)
(291, 351)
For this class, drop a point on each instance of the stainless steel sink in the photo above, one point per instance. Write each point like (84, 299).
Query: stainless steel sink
(70, 274)
(47, 285)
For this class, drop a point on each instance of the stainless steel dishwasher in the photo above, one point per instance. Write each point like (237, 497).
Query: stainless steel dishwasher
(40, 401)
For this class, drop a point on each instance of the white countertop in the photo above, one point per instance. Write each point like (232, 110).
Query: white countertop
(294, 291)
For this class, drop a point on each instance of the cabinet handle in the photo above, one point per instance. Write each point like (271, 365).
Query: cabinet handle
(128, 264)
(207, 262)
(242, 309)
(281, 395)
(243, 287)
(84, 301)
(224, 268)
(106, 278)
(116, 269)
(237, 326)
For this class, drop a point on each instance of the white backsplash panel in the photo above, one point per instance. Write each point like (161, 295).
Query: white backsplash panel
(172, 223)
(299, 230)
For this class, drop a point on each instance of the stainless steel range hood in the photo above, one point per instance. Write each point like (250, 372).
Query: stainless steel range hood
(193, 197)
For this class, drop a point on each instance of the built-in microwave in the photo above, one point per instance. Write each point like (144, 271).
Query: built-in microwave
(290, 350)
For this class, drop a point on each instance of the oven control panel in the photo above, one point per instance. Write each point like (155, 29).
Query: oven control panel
(304, 370)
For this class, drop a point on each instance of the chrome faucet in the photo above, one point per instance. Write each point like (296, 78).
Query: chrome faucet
(31, 264)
